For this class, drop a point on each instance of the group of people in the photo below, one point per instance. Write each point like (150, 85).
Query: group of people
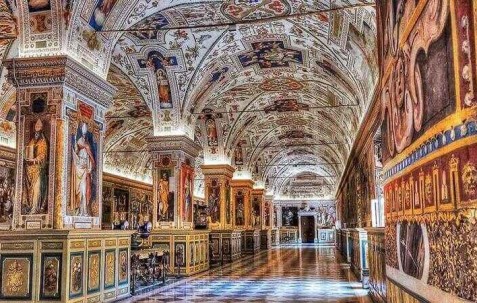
(7, 189)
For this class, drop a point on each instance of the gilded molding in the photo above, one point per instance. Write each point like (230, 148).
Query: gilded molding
(218, 170)
(59, 70)
(173, 143)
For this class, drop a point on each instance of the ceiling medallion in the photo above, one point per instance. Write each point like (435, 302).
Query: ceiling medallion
(281, 84)
(241, 10)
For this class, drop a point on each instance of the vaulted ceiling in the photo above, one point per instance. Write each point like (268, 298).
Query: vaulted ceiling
(284, 83)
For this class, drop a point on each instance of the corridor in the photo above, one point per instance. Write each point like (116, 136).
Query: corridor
(286, 274)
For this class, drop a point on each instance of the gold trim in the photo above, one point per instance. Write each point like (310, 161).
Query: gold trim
(123, 242)
(77, 244)
(109, 243)
(453, 120)
(94, 243)
(119, 180)
(442, 151)
(411, 24)
(18, 246)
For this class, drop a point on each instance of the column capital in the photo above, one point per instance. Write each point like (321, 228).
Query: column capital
(173, 143)
(218, 170)
(258, 191)
(247, 183)
(59, 70)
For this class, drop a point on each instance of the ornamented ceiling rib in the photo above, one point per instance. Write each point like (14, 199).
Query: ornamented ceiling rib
(243, 77)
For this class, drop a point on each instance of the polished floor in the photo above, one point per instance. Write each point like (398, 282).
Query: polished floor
(286, 274)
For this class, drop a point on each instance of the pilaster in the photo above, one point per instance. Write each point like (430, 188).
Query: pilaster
(61, 107)
(241, 195)
(257, 208)
(218, 195)
(173, 160)
(268, 212)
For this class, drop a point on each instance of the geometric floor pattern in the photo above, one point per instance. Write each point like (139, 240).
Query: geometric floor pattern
(285, 274)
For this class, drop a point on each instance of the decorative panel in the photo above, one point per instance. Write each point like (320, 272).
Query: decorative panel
(16, 276)
(123, 266)
(76, 275)
(94, 271)
(109, 268)
(51, 274)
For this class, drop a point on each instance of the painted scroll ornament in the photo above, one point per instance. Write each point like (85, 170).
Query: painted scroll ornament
(402, 96)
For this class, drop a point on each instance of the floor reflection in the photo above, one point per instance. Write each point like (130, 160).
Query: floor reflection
(287, 274)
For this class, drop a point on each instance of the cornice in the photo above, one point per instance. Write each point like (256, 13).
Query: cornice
(173, 143)
(126, 182)
(218, 170)
(258, 191)
(242, 183)
(59, 70)
(8, 154)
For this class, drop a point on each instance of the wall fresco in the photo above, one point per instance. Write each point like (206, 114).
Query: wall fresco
(429, 152)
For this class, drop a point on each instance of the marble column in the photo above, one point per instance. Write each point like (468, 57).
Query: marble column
(61, 107)
(173, 160)
(218, 195)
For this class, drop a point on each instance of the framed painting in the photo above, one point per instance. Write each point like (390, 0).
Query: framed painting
(50, 284)
(16, 277)
(109, 268)
(94, 271)
(76, 274)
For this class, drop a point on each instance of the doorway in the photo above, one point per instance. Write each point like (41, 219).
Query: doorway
(307, 229)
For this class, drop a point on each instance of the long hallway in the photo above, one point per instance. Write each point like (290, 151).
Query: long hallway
(286, 274)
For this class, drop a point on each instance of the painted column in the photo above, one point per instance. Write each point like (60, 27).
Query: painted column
(268, 212)
(218, 195)
(256, 208)
(241, 192)
(61, 107)
(173, 180)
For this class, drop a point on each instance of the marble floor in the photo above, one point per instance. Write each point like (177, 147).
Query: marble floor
(286, 274)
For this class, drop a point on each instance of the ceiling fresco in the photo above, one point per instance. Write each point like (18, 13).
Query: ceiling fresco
(129, 123)
(276, 88)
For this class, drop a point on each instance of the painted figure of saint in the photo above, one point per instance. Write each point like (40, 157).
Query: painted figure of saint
(187, 198)
(214, 207)
(239, 215)
(36, 163)
(211, 132)
(238, 155)
(83, 167)
(163, 89)
(102, 11)
(163, 196)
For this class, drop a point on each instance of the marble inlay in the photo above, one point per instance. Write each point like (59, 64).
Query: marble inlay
(287, 274)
